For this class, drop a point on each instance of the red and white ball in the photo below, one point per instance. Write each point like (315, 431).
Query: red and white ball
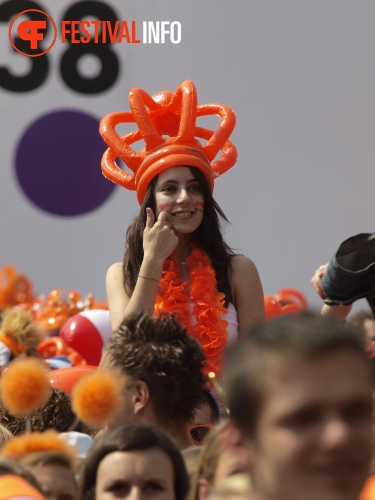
(86, 333)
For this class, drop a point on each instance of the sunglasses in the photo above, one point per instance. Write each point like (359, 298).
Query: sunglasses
(198, 433)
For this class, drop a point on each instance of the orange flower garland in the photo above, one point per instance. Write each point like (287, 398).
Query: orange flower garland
(201, 310)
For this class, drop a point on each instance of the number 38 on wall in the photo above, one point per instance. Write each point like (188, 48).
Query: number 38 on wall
(69, 67)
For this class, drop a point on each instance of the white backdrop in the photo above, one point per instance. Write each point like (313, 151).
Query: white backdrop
(300, 76)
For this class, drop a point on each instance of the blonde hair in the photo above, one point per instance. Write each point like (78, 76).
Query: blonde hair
(5, 434)
(20, 326)
(191, 457)
(238, 486)
(207, 461)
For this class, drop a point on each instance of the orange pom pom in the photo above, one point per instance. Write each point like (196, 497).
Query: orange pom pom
(24, 386)
(96, 397)
(33, 442)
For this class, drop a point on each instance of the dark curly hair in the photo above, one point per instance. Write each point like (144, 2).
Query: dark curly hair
(160, 353)
(208, 237)
(128, 437)
(56, 413)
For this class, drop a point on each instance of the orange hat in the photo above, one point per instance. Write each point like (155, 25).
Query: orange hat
(15, 488)
(172, 115)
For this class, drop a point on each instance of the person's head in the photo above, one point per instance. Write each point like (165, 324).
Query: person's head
(134, 459)
(162, 369)
(19, 332)
(215, 464)
(54, 472)
(208, 412)
(182, 185)
(206, 415)
(204, 225)
(179, 194)
(56, 413)
(299, 391)
(364, 324)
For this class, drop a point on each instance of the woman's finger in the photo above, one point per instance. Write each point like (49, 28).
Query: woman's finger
(163, 218)
(150, 220)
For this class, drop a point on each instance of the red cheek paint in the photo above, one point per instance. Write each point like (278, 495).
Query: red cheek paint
(163, 206)
(199, 204)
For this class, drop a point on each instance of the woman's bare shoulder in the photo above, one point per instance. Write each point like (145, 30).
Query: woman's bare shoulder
(245, 278)
(116, 295)
(248, 294)
(241, 263)
(244, 275)
(115, 268)
(114, 273)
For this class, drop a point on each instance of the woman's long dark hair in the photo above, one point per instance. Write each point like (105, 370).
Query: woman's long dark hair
(208, 237)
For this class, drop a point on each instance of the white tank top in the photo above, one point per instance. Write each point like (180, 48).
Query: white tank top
(232, 318)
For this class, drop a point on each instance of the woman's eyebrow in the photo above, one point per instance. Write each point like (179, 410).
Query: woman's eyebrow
(173, 181)
(169, 181)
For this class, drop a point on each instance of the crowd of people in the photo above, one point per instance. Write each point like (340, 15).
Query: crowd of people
(299, 395)
(197, 396)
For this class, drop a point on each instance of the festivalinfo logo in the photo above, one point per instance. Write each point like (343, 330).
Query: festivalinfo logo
(33, 32)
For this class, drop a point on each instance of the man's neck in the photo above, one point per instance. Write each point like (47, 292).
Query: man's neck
(177, 431)
(178, 434)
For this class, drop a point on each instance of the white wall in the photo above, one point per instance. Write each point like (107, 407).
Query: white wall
(300, 75)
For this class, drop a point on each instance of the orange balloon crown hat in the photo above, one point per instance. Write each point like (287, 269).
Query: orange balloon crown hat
(167, 124)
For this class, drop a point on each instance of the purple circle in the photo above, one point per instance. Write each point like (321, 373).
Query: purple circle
(58, 163)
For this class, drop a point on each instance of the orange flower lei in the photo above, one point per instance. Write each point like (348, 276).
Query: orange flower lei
(200, 313)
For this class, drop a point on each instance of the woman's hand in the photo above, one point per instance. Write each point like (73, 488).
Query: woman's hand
(159, 239)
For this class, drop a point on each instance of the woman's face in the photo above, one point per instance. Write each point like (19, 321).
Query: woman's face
(179, 193)
(135, 475)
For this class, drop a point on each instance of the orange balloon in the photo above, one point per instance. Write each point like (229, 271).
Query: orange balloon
(292, 296)
(167, 124)
(51, 347)
(15, 289)
(76, 359)
(66, 378)
(272, 306)
(286, 301)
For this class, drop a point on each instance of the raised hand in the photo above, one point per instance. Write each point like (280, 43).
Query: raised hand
(159, 238)
(316, 280)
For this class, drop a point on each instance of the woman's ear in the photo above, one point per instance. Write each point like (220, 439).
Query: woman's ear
(141, 396)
